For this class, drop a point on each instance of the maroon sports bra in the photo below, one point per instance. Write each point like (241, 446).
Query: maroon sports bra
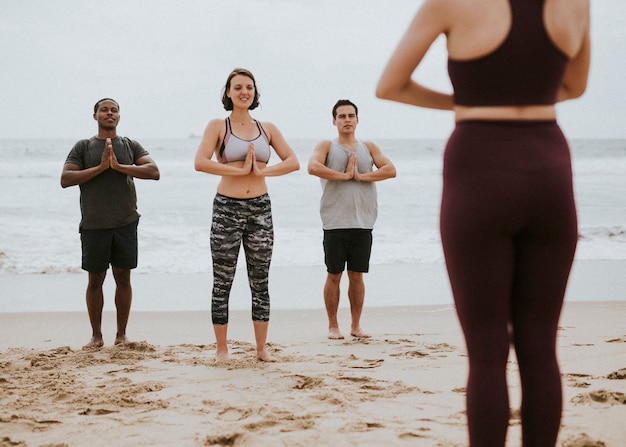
(527, 69)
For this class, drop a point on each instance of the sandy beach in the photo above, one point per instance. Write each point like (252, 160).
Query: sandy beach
(403, 387)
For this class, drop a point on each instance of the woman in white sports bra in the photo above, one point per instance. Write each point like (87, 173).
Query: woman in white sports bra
(238, 149)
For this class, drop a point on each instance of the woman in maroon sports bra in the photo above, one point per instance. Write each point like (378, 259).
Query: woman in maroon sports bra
(508, 217)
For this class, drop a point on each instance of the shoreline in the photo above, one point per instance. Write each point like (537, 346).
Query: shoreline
(49, 330)
(401, 284)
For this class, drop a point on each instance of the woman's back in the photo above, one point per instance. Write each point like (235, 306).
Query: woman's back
(526, 67)
(518, 56)
(476, 28)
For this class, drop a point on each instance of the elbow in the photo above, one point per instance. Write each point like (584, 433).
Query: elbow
(572, 91)
(578, 92)
(202, 164)
(65, 183)
(390, 172)
(152, 172)
(292, 163)
(383, 90)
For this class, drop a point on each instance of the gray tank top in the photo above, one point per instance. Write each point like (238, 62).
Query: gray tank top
(348, 204)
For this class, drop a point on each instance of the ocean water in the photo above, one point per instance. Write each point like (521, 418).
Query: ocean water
(39, 220)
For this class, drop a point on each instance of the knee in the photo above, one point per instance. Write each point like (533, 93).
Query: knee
(355, 277)
(492, 356)
(96, 280)
(333, 279)
(122, 277)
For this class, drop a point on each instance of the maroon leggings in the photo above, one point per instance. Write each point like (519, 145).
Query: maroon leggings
(509, 232)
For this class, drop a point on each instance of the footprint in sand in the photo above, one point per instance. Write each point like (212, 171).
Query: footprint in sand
(233, 414)
(6, 442)
(602, 397)
(96, 412)
(575, 380)
(582, 440)
(619, 375)
(360, 427)
(222, 439)
(305, 382)
(412, 353)
(355, 362)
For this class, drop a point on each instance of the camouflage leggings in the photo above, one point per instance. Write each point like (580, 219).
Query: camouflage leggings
(234, 221)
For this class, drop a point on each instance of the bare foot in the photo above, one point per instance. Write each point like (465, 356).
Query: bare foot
(359, 333)
(264, 356)
(121, 339)
(94, 343)
(222, 357)
(334, 334)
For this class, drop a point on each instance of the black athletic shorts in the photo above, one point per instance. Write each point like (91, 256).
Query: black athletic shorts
(115, 246)
(351, 247)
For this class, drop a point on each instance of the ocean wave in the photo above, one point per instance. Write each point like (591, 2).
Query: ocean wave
(179, 252)
(601, 242)
(613, 233)
(39, 219)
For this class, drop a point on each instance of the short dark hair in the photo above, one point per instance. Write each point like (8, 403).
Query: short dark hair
(95, 107)
(344, 102)
(228, 103)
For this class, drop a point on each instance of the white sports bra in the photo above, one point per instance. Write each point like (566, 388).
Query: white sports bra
(235, 148)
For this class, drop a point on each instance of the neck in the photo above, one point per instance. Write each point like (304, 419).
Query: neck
(103, 134)
(240, 116)
(347, 139)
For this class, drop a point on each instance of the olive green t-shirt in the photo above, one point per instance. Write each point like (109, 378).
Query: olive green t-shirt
(109, 200)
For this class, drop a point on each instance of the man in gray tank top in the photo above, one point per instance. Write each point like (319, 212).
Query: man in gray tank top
(348, 209)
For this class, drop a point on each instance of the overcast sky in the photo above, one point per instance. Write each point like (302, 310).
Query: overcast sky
(166, 62)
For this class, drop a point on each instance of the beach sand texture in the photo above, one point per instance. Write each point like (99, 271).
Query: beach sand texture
(403, 387)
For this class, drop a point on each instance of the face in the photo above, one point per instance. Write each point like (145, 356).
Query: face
(346, 119)
(241, 91)
(107, 115)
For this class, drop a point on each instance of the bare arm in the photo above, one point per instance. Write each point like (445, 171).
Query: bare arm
(577, 73)
(72, 174)
(317, 164)
(396, 81)
(144, 168)
(289, 161)
(213, 135)
(384, 167)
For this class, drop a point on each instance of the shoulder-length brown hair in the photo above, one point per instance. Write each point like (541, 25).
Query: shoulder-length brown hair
(228, 103)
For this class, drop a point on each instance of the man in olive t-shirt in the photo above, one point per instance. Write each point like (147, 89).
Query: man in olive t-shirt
(104, 167)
